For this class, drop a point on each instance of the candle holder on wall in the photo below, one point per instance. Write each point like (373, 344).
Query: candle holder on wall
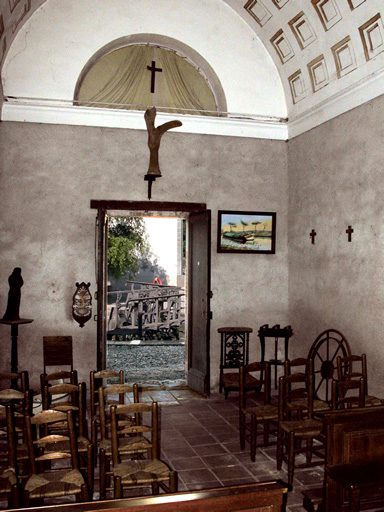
(82, 303)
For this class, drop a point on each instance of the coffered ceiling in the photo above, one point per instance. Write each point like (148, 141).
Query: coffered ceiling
(318, 57)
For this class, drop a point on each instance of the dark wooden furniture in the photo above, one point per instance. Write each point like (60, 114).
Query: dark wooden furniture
(354, 465)
(353, 367)
(129, 470)
(234, 352)
(297, 425)
(57, 351)
(258, 497)
(9, 485)
(14, 336)
(258, 413)
(46, 480)
(277, 333)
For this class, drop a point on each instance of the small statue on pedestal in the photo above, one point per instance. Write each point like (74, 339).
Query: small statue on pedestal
(15, 283)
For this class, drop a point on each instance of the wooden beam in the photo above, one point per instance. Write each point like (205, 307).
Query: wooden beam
(158, 206)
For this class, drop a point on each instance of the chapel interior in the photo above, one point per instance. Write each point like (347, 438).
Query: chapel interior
(280, 108)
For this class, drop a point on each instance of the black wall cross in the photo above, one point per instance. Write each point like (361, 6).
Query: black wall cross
(312, 234)
(153, 70)
(349, 232)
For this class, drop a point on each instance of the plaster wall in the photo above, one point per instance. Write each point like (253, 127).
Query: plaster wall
(336, 180)
(49, 174)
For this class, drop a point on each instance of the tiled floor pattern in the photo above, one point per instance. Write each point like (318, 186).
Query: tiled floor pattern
(200, 440)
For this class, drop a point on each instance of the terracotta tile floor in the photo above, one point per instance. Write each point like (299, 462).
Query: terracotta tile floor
(200, 440)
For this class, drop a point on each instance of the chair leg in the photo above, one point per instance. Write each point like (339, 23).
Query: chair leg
(155, 488)
(266, 433)
(291, 457)
(173, 481)
(279, 450)
(253, 437)
(117, 487)
(102, 474)
(309, 450)
(14, 497)
(84, 495)
(242, 420)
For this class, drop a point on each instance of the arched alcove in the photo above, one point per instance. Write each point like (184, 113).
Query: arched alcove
(142, 70)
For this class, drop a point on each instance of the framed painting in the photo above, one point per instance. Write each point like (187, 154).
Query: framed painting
(246, 232)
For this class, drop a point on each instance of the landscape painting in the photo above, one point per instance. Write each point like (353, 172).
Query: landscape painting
(246, 232)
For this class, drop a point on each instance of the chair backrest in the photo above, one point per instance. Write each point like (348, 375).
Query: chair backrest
(99, 379)
(300, 366)
(263, 375)
(59, 377)
(8, 434)
(292, 387)
(11, 380)
(57, 351)
(115, 395)
(353, 367)
(44, 421)
(71, 397)
(348, 393)
(21, 400)
(120, 429)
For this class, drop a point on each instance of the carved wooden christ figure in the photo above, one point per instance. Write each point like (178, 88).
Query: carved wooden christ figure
(154, 138)
(15, 283)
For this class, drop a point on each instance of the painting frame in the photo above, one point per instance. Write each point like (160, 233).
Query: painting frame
(246, 242)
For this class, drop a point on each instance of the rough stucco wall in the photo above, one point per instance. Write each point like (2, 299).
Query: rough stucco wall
(335, 180)
(50, 173)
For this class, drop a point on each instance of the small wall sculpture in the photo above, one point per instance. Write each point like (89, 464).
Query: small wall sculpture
(15, 283)
(82, 303)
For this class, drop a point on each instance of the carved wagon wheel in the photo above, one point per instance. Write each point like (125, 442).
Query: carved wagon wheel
(324, 351)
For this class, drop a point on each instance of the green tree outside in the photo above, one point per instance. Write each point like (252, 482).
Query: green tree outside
(127, 245)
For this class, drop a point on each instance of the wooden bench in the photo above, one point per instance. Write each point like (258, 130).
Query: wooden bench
(354, 464)
(259, 497)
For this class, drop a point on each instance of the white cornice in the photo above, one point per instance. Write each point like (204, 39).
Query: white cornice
(233, 125)
(51, 112)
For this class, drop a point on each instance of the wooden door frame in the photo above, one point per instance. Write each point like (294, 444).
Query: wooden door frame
(141, 207)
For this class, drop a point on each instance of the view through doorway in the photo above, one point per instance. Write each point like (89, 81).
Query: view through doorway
(146, 333)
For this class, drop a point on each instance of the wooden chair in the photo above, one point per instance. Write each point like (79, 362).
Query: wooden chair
(13, 380)
(258, 414)
(131, 473)
(354, 367)
(234, 352)
(348, 393)
(59, 377)
(102, 379)
(293, 430)
(57, 351)
(298, 395)
(9, 484)
(22, 403)
(76, 402)
(128, 446)
(48, 476)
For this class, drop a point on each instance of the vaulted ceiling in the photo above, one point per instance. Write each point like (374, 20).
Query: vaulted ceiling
(305, 60)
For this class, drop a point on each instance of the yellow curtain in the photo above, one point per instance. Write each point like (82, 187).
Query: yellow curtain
(120, 79)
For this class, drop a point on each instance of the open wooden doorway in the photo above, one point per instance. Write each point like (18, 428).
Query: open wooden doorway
(198, 287)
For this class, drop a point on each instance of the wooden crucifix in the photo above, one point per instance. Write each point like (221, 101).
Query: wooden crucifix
(153, 70)
(312, 234)
(154, 137)
(349, 232)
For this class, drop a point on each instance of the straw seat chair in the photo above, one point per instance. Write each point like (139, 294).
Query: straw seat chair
(354, 367)
(9, 484)
(131, 473)
(347, 394)
(97, 379)
(297, 425)
(264, 413)
(48, 476)
(76, 402)
(129, 444)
